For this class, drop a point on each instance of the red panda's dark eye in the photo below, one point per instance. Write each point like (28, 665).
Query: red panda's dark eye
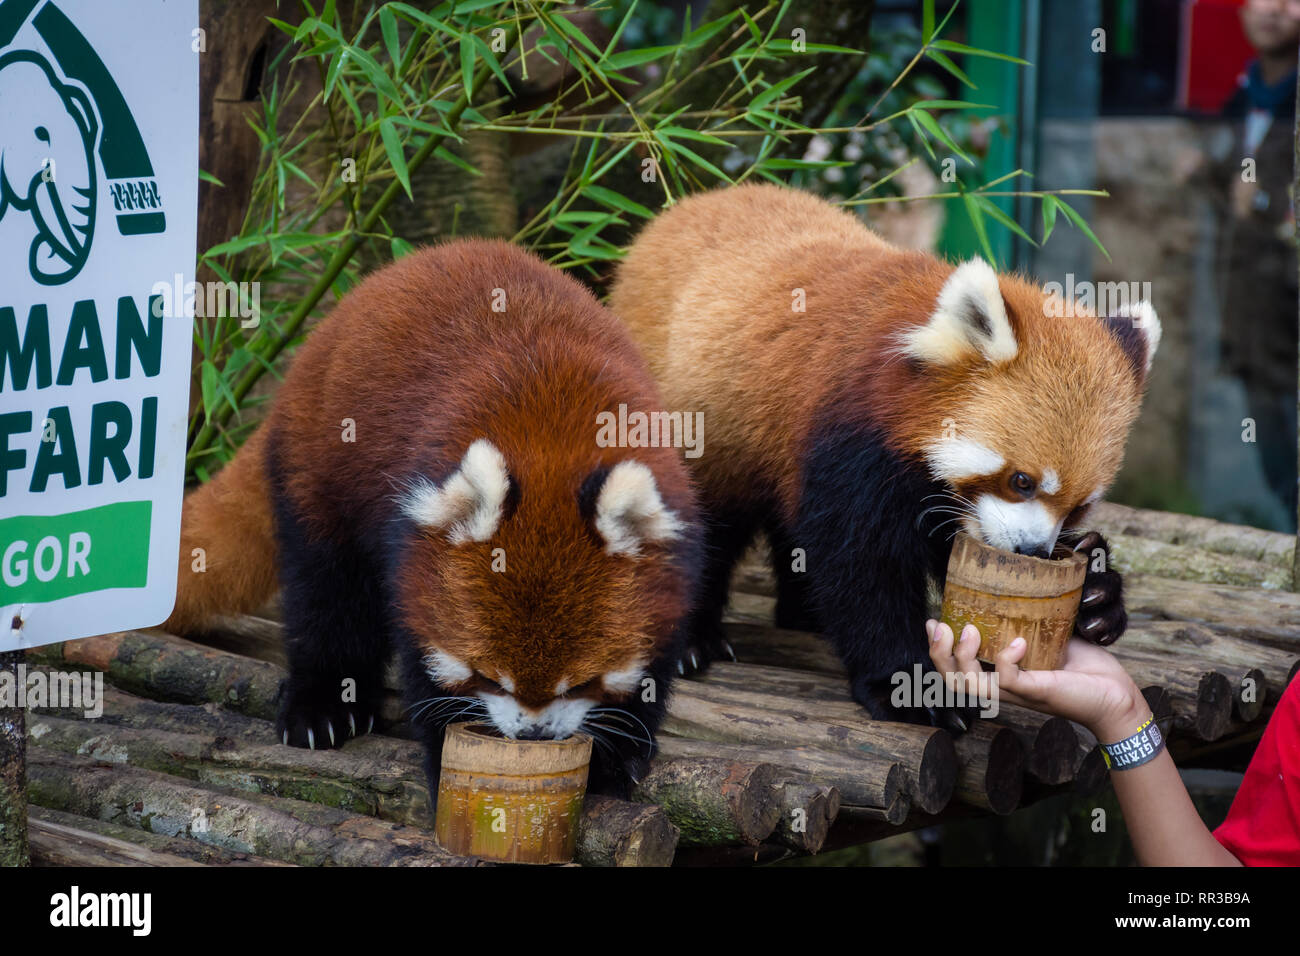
(1023, 484)
(490, 684)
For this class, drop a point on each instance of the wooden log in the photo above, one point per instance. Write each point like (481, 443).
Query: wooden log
(991, 767)
(1267, 547)
(621, 833)
(808, 811)
(1131, 554)
(713, 801)
(763, 644)
(1201, 695)
(1051, 744)
(872, 782)
(1253, 614)
(1237, 658)
(720, 713)
(1092, 772)
(372, 775)
(290, 830)
(13, 774)
(63, 839)
(375, 775)
(171, 668)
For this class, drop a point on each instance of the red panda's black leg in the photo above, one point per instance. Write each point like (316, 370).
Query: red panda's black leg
(727, 533)
(335, 635)
(794, 602)
(1102, 618)
(869, 555)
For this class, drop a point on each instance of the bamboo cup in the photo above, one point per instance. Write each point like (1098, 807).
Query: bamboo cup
(515, 801)
(1010, 595)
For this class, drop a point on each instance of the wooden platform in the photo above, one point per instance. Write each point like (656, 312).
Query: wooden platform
(760, 759)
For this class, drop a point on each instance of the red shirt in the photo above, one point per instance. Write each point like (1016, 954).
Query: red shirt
(1263, 825)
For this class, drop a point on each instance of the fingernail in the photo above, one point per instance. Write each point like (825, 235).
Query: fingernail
(1018, 642)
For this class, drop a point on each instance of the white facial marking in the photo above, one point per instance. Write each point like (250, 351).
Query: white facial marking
(1051, 482)
(469, 504)
(445, 669)
(626, 680)
(630, 512)
(956, 458)
(561, 687)
(969, 314)
(507, 682)
(1027, 525)
(556, 721)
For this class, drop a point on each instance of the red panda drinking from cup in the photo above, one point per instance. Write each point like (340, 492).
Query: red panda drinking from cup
(430, 478)
(863, 402)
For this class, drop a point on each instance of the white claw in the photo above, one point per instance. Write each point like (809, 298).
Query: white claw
(352, 724)
(330, 725)
(372, 724)
(681, 668)
(286, 738)
(695, 661)
(311, 738)
(730, 650)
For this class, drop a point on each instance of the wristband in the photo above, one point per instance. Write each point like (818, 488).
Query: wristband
(1143, 747)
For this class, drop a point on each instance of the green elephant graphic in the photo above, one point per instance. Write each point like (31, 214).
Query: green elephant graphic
(47, 163)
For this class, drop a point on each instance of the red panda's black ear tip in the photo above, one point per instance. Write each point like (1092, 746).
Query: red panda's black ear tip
(1136, 328)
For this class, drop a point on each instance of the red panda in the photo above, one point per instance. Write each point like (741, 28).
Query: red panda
(863, 402)
(429, 477)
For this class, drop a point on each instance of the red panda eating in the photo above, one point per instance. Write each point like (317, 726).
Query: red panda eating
(429, 479)
(864, 402)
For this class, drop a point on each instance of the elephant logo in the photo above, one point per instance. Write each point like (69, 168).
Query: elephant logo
(68, 141)
(47, 163)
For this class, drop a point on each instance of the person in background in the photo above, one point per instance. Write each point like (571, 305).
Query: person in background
(1259, 307)
(1263, 825)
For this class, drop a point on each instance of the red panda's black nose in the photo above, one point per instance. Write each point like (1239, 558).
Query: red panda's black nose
(1038, 551)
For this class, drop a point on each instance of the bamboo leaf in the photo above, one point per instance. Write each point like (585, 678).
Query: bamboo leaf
(952, 46)
(1049, 215)
(617, 201)
(1082, 225)
(995, 211)
(951, 67)
(396, 156)
(977, 221)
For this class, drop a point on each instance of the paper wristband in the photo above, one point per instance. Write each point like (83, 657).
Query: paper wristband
(1143, 747)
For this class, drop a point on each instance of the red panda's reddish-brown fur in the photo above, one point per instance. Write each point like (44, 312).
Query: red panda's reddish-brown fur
(708, 291)
(420, 366)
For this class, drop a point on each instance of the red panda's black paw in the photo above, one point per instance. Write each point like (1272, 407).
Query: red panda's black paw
(616, 775)
(698, 654)
(320, 720)
(1102, 618)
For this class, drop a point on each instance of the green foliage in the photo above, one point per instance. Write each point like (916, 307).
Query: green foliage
(395, 90)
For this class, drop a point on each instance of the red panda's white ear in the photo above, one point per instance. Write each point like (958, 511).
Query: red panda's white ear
(469, 504)
(630, 512)
(969, 318)
(1137, 327)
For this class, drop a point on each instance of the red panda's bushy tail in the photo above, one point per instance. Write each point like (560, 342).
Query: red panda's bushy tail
(227, 555)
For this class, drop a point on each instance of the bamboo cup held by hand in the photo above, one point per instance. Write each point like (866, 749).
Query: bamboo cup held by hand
(1010, 595)
(515, 801)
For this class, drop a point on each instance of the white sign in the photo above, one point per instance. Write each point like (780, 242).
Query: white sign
(98, 205)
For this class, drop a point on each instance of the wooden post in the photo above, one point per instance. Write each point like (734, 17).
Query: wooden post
(13, 770)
